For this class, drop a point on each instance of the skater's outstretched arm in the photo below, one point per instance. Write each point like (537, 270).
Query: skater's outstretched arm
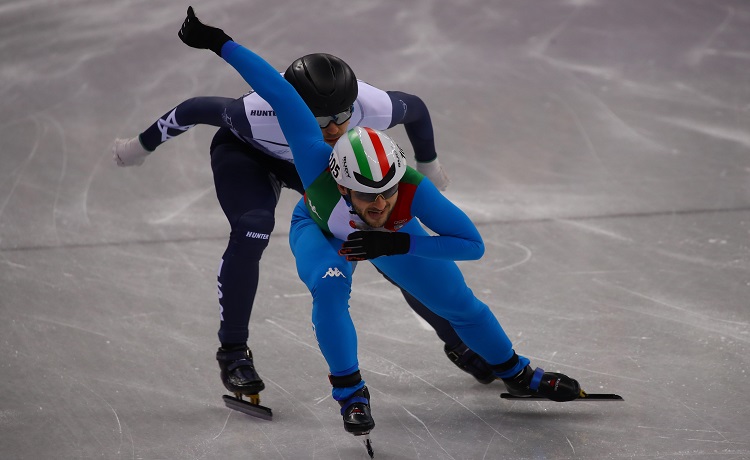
(296, 120)
(214, 111)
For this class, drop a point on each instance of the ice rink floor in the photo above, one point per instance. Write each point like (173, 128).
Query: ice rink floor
(601, 146)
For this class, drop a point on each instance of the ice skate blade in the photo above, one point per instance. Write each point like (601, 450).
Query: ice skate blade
(587, 397)
(255, 410)
(368, 443)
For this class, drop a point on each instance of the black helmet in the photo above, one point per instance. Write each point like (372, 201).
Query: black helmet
(326, 83)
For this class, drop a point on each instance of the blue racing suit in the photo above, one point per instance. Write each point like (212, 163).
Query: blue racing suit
(427, 271)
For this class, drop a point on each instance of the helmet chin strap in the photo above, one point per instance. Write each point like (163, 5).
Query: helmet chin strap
(348, 196)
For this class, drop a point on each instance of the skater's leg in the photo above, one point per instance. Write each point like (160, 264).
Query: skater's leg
(442, 327)
(459, 354)
(328, 277)
(440, 285)
(248, 194)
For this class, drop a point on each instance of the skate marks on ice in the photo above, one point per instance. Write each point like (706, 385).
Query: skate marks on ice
(605, 122)
(685, 316)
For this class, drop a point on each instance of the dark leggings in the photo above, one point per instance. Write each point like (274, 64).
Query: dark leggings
(248, 183)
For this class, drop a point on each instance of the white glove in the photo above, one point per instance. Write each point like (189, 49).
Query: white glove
(434, 171)
(129, 152)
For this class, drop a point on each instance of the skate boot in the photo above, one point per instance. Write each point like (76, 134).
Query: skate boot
(239, 376)
(238, 372)
(470, 362)
(355, 410)
(550, 385)
(356, 413)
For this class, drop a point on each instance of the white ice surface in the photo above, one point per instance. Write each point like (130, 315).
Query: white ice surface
(601, 146)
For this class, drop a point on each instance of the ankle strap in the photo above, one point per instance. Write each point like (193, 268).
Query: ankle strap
(536, 379)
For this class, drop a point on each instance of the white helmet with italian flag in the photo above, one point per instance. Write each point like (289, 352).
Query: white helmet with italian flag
(367, 160)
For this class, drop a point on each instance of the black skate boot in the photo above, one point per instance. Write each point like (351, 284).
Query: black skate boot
(470, 362)
(355, 410)
(238, 372)
(550, 385)
(356, 413)
(239, 376)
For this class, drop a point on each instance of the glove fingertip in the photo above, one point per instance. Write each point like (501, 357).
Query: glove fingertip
(190, 12)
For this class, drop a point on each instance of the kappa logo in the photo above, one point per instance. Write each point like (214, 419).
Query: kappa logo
(333, 272)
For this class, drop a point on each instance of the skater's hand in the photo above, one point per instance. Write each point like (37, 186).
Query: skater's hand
(195, 34)
(371, 244)
(129, 152)
(434, 171)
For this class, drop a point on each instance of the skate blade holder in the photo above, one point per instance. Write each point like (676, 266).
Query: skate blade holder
(251, 407)
(365, 437)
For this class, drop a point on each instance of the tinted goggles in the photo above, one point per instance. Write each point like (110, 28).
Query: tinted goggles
(371, 197)
(339, 118)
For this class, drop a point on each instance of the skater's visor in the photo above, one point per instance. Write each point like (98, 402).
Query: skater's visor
(338, 118)
(371, 197)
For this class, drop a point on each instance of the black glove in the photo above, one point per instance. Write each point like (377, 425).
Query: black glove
(372, 244)
(195, 34)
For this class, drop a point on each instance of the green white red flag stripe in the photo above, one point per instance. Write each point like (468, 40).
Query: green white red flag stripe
(359, 153)
(379, 150)
(357, 143)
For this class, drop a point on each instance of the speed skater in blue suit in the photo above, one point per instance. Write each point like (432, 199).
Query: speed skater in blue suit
(362, 202)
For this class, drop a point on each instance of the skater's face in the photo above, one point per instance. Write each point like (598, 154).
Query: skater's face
(373, 213)
(332, 132)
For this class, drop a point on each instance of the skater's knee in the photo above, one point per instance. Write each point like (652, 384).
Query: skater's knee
(259, 221)
(331, 294)
(251, 232)
(325, 275)
(461, 308)
(331, 282)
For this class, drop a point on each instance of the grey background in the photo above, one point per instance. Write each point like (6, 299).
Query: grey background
(602, 147)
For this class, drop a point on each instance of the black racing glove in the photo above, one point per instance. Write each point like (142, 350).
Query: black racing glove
(195, 34)
(371, 244)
